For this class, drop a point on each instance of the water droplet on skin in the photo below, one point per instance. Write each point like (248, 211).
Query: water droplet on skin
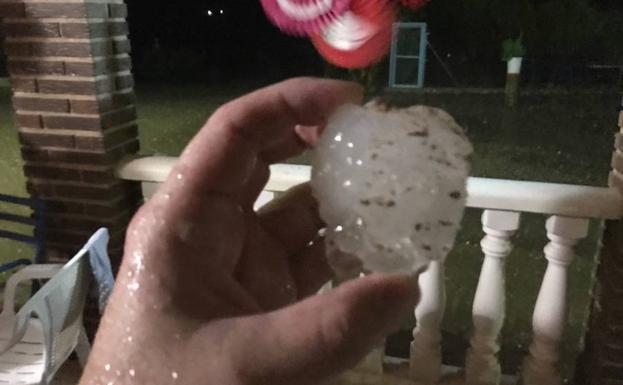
(347, 183)
(174, 375)
(338, 229)
(110, 383)
(130, 339)
(167, 196)
(133, 286)
(359, 222)
(131, 372)
(107, 367)
(179, 176)
(130, 273)
(338, 138)
(350, 145)
(359, 162)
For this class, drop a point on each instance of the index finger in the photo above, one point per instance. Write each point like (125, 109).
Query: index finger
(223, 154)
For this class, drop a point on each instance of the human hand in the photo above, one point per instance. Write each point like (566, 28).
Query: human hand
(211, 292)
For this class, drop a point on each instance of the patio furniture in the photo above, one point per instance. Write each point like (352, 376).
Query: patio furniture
(36, 220)
(36, 340)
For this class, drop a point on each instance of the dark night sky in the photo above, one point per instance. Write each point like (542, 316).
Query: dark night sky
(240, 41)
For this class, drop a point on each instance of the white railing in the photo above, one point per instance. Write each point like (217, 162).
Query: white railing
(569, 209)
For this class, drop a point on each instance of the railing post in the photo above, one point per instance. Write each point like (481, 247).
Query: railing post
(482, 366)
(425, 355)
(550, 311)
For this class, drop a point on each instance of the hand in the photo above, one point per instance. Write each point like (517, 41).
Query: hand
(211, 292)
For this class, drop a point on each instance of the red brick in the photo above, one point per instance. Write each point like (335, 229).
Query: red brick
(68, 49)
(67, 86)
(122, 46)
(40, 104)
(90, 143)
(118, 29)
(88, 192)
(28, 121)
(121, 136)
(13, 48)
(38, 29)
(111, 65)
(40, 190)
(117, 101)
(71, 122)
(11, 10)
(75, 30)
(35, 67)
(85, 106)
(124, 81)
(80, 69)
(102, 48)
(98, 177)
(65, 10)
(112, 140)
(118, 10)
(32, 154)
(106, 85)
(46, 139)
(43, 172)
(116, 118)
(23, 85)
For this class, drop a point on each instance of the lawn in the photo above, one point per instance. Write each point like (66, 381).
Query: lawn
(556, 136)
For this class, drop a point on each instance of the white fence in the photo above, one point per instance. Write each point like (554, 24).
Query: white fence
(568, 208)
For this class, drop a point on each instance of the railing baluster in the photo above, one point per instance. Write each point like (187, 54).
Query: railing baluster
(488, 310)
(426, 346)
(550, 311)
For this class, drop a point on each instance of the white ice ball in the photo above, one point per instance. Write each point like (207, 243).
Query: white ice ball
(391, 185)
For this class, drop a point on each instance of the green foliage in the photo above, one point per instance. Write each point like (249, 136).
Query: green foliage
(513, 48)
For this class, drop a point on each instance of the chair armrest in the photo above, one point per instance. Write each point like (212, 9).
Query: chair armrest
(28, 273)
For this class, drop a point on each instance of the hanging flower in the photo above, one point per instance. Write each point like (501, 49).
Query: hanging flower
(303, 17)
(359, 38)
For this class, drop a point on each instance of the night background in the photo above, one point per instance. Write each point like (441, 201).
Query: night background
(191, 40)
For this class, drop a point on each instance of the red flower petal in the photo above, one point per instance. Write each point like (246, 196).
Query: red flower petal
(361, 37)
(302, 17)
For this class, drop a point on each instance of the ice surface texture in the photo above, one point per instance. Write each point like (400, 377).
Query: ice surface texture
(391, 186)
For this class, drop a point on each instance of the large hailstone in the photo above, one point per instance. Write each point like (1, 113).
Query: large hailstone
(391, 185)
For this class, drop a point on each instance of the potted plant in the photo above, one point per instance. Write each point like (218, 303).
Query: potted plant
(513, 52)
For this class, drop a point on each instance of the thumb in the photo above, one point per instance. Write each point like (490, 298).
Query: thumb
(318, 338)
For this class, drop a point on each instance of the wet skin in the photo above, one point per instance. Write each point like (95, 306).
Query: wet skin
(211, 292)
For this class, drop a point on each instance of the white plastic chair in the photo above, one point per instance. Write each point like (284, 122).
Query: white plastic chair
(36, 341)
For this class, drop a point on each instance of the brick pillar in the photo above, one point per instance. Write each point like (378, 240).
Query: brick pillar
(602, 361)
(69, 66)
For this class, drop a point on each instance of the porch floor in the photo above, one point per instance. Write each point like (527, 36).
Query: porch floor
(396, 372)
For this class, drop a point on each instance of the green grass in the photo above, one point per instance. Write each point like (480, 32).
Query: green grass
(561, 137)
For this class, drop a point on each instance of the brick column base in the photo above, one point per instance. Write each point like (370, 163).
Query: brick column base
(73, 98)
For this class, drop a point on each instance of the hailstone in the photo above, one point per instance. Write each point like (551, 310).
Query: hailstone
(391, 185)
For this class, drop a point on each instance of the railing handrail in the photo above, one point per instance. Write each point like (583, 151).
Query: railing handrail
(497, 194)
